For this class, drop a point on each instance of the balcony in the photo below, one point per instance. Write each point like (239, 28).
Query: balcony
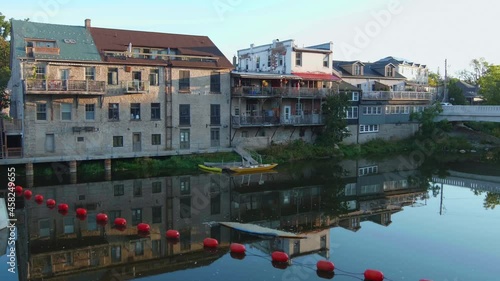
(260, 121)
(383, 95)
(135, 87)
(76, 87)
(13, 126)
(256, 92)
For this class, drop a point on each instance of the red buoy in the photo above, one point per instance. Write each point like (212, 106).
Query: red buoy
(237, 248)
(325, 274)
(374, 275)
(19, 190)
(101, 219)
(278, 256)
(324, 265)
(63, 207)
(210, 243)
(39, 199)
(172, 234)
(120, 222)
(143, 227)
(28, 194)
(81, 213)
(51, 203)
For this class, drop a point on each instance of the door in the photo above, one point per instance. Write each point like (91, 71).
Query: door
(49, 143)
(287, 112)
(64, 78)
(136, 142)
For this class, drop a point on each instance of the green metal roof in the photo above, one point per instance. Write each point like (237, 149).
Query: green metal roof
(74, 42)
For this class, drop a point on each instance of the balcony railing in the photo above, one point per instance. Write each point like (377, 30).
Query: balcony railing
(134, 87)
(252, 91)
(12, 126)
(37, 86)
(383, 95)
(257, 121)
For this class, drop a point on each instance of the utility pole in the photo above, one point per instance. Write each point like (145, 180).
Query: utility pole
(445, 94)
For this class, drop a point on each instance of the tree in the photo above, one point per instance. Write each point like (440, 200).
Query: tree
(428, 127)
(490, 85)
(334, 112)
(434, 79)
(479, 68)
(4, 61)
(456, 94)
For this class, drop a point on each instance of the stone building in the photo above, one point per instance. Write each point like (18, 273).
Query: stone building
(81, 92)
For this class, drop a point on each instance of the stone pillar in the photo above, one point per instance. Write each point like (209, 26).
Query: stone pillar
(72, 166)
(29, 169)
(30, 180)
(73, 178)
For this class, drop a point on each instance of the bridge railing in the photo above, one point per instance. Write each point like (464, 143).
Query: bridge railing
(482, 110)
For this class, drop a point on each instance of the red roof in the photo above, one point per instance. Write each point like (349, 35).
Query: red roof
(118, 40)
(316, 76)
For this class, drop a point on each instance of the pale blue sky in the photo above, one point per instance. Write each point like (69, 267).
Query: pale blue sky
(425, 31)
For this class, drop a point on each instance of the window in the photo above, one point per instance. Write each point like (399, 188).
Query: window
(139, 248)
(90, 112)
(397, 109)
(215, 82)
(155, 111)
(184, 114)
(350, 189)
(298, 59)
(112, 215)
(368, 128)
(257, 63)
(112, 76)
(185, 185)
(372, 110)
(89, 73)
(136, 77)
(66, 111)
(44, 228)
(41, 111)
(390, 72)
(137, 188)
(184, 139)
(136, 216)
(156, 211)
(185, 208)
(114, 111)
(354, 96)
(184, 80)
(215, 204)
(268, 61)
(69, 225)
(80, 139)
(156, 187)
(368, 170)
(117, 141)
(215, 114)
(153, 77)
(326, 60)
(155, 139)
(91, 221)
(215, 137)
(135, 111)
(352, 112)
(357, 69)
(118, 189)
(39, 72)
(116, 254)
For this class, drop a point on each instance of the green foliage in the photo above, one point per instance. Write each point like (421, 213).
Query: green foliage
(490, 128)
(426, 118)
(434, 79)
(334, 112)
(491, 200)
(4, 61)
(456, 94)
(490, 85)
(4, 27)
(479, 68)
(297, 150)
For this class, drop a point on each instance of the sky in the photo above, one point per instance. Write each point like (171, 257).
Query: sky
(423, 31)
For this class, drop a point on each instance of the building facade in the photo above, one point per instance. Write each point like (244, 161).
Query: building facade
(88, 92)
(277, 92)
(385, 104)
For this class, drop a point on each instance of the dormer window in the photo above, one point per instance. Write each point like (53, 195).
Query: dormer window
(389, 71)
(357, 70)
(34, 46)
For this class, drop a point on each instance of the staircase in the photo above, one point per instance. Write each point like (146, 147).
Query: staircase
(245, 155)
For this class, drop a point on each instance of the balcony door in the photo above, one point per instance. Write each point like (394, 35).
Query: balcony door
(65, 78)
(287, 113)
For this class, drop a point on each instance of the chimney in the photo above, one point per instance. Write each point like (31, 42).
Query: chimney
(234, 61)
(87, 23)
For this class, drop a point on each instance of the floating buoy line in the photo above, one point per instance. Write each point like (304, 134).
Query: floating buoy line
(324, 268)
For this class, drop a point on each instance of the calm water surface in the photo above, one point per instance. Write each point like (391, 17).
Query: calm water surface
(387, 215)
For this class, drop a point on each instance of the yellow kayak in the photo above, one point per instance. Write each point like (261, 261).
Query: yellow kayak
(210, 168)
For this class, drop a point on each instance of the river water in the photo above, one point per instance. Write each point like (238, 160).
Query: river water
(435, 220)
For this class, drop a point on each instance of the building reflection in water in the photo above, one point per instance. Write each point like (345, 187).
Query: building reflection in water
(308, 201)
